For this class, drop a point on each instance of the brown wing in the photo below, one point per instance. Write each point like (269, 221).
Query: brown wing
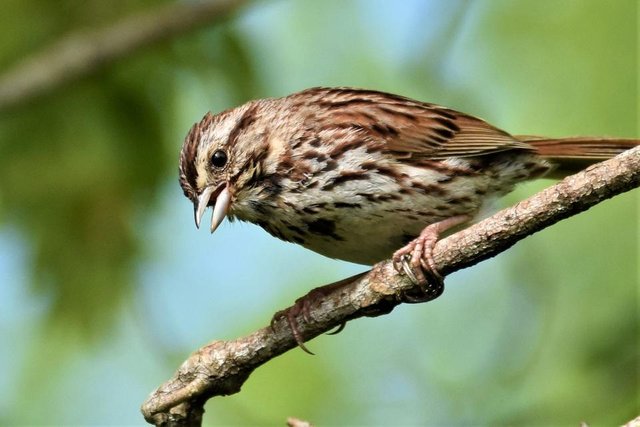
(409, 126)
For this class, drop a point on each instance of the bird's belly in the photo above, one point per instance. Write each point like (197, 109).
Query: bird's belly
(365, 232)
(366, 243)
(367, 239)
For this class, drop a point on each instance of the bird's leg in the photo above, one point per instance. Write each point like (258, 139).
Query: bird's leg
(303, 305)
(416, 258)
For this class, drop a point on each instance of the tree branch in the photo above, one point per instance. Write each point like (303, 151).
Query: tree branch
(79, 54)
(221, 367)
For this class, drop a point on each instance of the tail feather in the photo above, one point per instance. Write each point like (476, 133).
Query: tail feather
(579, 147)
(570, 155)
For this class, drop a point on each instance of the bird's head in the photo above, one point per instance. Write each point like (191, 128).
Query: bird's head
(219, 157)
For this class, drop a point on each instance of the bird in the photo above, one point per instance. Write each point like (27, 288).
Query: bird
(362, 175)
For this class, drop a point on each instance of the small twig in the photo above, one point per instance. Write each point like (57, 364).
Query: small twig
(84, 52)
(295, 422)
(221, 367)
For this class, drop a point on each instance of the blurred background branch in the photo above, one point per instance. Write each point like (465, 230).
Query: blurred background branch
(84, 52)
(222, 367)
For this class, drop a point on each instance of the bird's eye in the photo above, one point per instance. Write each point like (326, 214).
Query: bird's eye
(219, 159)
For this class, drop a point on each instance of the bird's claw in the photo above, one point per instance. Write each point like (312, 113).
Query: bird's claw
(417, 270)
(302, 307)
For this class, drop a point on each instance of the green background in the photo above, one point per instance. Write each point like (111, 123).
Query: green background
(106, 285)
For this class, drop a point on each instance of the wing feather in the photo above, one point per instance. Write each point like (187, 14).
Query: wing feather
(409, 126)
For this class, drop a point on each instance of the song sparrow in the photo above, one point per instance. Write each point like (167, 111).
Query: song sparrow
(358, 174)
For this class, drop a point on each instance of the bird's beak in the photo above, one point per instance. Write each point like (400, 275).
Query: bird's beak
(220, 207)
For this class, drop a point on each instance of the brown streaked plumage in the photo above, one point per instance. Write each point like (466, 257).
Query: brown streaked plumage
(357, 174)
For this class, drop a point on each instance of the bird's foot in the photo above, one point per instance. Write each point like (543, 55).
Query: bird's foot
(416, 261)
(304, 305)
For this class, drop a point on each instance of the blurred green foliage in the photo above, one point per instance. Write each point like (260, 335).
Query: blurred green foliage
(78, 164)
(546, 334)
